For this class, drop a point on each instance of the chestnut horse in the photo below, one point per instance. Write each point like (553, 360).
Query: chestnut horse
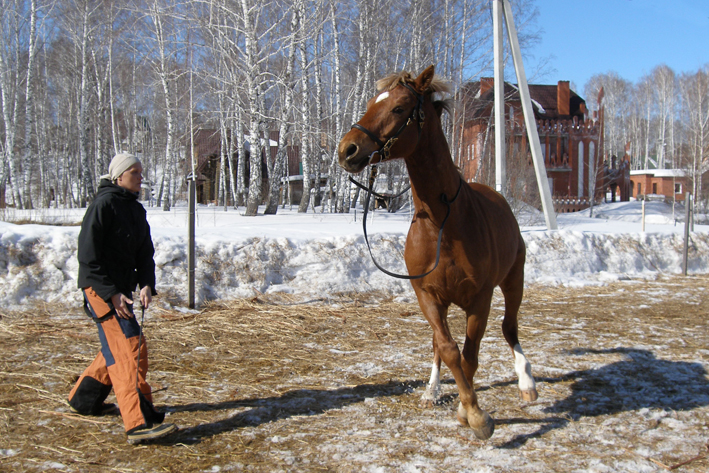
(481, 245)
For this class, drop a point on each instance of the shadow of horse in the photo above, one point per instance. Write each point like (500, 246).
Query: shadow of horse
(639, 381)
(299, 402)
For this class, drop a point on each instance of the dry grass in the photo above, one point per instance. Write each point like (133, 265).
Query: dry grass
(278, 385)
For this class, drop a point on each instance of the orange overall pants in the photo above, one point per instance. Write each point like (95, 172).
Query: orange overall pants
(115, 367)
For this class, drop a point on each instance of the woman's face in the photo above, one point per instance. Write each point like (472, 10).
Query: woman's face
(132, 178)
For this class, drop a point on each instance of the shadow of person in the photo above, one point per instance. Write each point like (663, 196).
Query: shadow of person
(299, 402)
(638, 381)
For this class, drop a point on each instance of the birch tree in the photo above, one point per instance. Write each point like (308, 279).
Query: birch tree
(617, 92)
(25, 193)
(10, 20)
(164, 71)
(694, 91)
(275, 170)
(663, 79)
(87, 175)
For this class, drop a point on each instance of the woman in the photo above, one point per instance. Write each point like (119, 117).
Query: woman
(115, 255)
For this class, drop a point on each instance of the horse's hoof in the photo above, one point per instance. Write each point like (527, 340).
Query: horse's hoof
(486, 428)
(426, 403)
(528, 395)
(429, 399)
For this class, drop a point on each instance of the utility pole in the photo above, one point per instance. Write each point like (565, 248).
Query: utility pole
(528, 111)
(500, 158)
(192, 198)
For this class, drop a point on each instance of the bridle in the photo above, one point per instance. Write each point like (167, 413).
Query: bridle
(384, 152)
(385, 147)
(444, 199)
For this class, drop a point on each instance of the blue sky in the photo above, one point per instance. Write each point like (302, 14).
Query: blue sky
(629, 37)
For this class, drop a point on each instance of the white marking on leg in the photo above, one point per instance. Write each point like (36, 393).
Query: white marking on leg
(524, 370)
(382, 96)
(433, 388)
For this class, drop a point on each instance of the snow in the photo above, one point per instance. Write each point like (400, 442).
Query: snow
(318, 255)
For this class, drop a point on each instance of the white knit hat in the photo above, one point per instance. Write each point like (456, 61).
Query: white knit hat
(120, 164)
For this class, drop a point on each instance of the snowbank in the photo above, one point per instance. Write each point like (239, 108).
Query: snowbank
(320, 255)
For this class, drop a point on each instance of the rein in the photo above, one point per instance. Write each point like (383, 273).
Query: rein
(444, 199)
(385, 147)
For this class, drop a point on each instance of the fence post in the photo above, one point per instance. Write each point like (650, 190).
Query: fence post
(687, 216)
(192, 187)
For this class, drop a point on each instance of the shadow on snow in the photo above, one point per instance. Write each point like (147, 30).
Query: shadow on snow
(639, 381)
(299, 402)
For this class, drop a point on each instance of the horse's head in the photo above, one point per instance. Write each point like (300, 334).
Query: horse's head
(392, 125)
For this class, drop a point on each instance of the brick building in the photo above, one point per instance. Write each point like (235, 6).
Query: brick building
(208, 152)
(571, 142)
(671, 183)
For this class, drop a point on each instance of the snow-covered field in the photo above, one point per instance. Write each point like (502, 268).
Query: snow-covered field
(316, 255)
(321, 365)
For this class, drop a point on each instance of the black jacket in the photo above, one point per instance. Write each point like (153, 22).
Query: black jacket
(115, 248)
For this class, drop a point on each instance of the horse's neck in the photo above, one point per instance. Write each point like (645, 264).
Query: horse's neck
(432, 173)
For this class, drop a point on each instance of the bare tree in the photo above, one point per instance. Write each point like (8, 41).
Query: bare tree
(694, 91)
(617, 94)
(164, 45)
(112, 78)
(664, 86)
(10, 20)
(275, 168)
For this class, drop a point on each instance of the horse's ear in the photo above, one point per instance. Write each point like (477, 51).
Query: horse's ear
(423, 82)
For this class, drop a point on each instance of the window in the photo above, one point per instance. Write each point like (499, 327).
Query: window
(640, 188)
(678, 188)
(654, 187)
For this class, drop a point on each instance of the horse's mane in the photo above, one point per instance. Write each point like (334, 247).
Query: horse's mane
(439, 87)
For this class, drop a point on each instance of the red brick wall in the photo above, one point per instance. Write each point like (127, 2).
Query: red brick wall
(663, 186)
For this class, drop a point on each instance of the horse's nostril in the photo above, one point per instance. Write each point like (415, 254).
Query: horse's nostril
(351, 150)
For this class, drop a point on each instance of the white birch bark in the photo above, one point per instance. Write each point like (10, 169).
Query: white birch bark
(9, 84)
(664, 81)
(275, 171)
(306, 137)
(252, 91)
(87, 177)
(162, 71)
(243, 159)
(26, 194)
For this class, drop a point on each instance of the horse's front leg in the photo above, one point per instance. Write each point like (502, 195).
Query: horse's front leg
(477, 315)
(433, 390)
(469, 412)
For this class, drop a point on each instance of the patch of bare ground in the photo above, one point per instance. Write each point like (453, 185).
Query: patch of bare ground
(272, 384)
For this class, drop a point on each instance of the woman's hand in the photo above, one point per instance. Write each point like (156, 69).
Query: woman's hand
(146, 296)
(120, 302)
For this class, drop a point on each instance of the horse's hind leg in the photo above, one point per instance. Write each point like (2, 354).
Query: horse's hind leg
(430, 396)
(513, 288)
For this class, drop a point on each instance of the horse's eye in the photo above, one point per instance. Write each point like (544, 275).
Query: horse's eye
(398, 110)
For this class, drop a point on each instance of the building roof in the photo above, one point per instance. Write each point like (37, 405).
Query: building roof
(544, 100)
(659, 172)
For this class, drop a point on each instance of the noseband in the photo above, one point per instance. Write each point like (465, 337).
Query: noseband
(385, 147)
